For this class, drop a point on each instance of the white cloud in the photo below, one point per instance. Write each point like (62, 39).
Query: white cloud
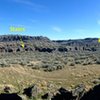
(31, 4)
(34, 21)
(98, 22)
(57, 29)
(27, 2)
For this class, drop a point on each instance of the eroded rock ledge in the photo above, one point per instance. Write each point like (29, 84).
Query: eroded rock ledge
(32, 92)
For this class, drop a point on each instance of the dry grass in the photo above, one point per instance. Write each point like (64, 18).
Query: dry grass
(21, 77)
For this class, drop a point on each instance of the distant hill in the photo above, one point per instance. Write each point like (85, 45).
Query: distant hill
(10, 38)
(12, 43)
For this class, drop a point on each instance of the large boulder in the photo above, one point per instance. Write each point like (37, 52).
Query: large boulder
(47, 96)
(12, 96)
(63, 94)
(79, 91)
(92, 94)
(32, 91)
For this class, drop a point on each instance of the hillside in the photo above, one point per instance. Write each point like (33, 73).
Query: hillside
(45, 66)
(12, 43)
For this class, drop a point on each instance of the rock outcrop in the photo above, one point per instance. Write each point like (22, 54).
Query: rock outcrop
(12, 96)
(12, 43)
(33, 92)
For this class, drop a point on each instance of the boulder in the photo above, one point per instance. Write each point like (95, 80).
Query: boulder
(47, 96)
(92, 94)
(32, 91)
(13, 96)
(79, 91)
(63, 94)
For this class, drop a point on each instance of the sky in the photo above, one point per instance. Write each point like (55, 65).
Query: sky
(55, 19)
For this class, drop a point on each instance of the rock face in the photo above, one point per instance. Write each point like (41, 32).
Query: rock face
(12, 38)
(12, 96)
(12, 43)
(47, 96)
(92, 94)
(45, 49)
(88, 44)
(32, 91)
(62, 49)
(78, 93)
(63, 94)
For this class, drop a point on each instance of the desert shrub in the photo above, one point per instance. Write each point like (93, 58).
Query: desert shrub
(23, 63)
(3, 63)
(30, 65)
(10, 50)
(44, 61)
(50, 69)
(62, 49)
(89, 63)
(78, 62)
(46, 66)
(93, 49)
(85, 63)
(53, 65)
(36, 67)
(97, 62)
(60, 66)
(76, 48)
(65, 62)
(56, 62)
(72, 64)
(95, 81)
(18, 50)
